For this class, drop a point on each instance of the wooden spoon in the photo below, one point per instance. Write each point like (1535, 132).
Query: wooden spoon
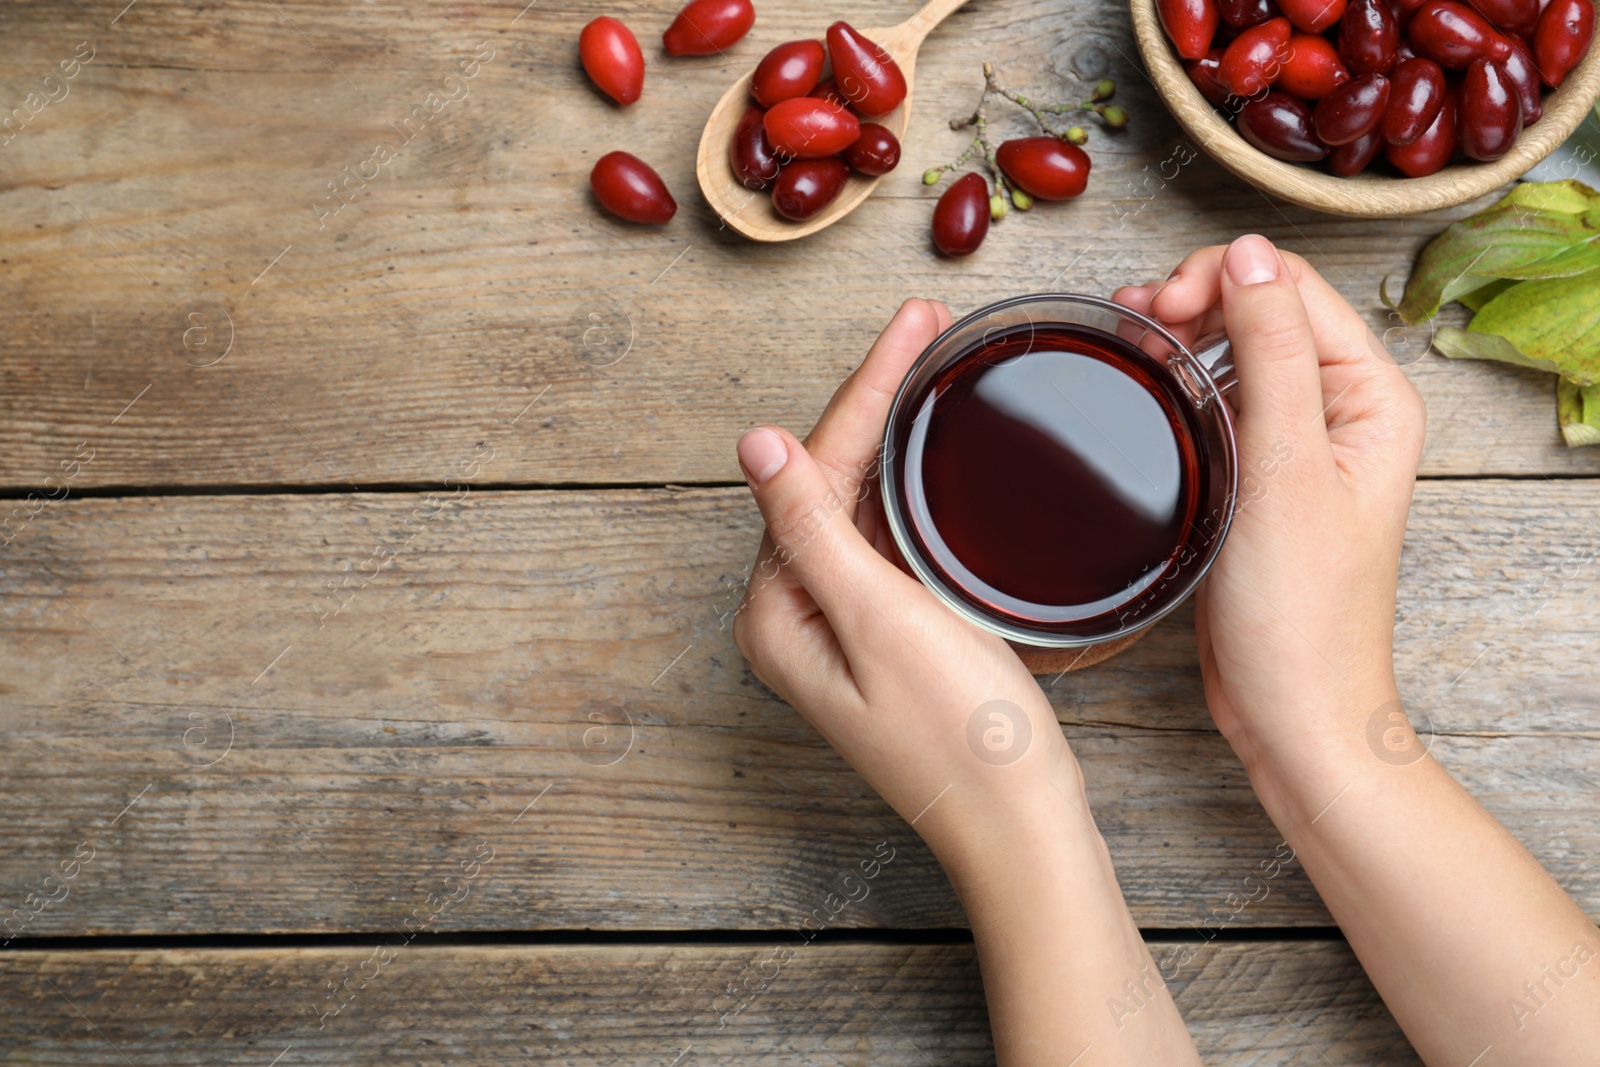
(750, 212)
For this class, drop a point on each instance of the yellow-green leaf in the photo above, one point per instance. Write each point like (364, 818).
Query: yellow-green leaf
(1538, 230)
(1552, 321)
(1578, 411)
(1566, 197)
(1470, 344)
(1481, 296)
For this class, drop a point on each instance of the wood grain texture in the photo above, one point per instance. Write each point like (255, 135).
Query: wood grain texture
(168, 205)
(526, 712)
(1295, 1004)
(238, 764)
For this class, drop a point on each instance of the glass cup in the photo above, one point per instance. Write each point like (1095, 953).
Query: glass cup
(1200, 374)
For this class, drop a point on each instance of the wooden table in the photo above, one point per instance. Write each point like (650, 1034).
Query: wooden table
(365, 691)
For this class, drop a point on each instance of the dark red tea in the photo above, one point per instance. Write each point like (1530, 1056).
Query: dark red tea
(1051, 475)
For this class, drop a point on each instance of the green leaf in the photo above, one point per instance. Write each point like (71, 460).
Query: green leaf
(1566, 197)
(1479, 297)
(1538, 230)
(1553, 321)
(1578, 411)
(1469, 344)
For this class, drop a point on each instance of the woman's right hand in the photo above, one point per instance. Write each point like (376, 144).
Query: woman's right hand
(1447, 913)
(1295, 621)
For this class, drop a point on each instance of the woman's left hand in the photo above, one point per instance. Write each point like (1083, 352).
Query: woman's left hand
(944, 721)
(886, 672)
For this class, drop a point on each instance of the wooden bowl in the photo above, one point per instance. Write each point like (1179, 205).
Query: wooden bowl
(1371, 194)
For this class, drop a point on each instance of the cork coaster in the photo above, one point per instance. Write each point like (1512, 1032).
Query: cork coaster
(1061, 660)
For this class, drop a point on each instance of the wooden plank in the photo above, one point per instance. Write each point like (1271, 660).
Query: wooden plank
(827, 1005)
(166, 211)
(172, 698)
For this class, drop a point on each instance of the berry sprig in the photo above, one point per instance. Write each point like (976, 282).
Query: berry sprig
(1005, 193)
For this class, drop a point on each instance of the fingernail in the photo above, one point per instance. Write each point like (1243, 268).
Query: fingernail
(762, 454)
(1251, 260)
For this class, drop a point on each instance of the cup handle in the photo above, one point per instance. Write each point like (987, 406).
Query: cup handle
(1214, 352)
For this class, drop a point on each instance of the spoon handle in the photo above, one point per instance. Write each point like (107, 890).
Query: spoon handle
(932, 13)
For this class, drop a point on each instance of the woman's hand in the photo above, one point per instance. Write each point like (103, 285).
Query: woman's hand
(883, 670)
(1448, 914)
(1296, 620)
(944, 721)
